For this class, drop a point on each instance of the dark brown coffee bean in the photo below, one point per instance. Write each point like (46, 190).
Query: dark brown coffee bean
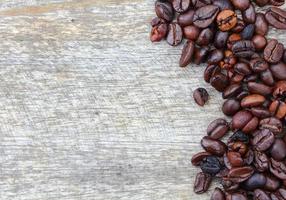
(186, 19)
(202, 183)
(278, 169)
(248, 32)
(240, 174)
(223, 4)
(243, 48)
(273, 124)
(278, 109)
(260, 112)
(231, 91)
(199, 157)
(218, 194)
(276, 17)
(205, 37)
(191, 32)
(236, 196)
(233, 38)
(272, 183)
(239, 147)
(239, 26)
(187, 53)
(279, 71)
(258, 65)
(243, 94)
(210, 165)
(229, 186)
(280, 89)
(201, 54)
(164, 10)
(215, 147)
(263, 140)
(175, 34)
(230, 107)
(235, 159)
(227, 63)
(181, 5)
(226, 20)
(219, 81)
(220, 39)
(201, 96)
(261, 25)
(242, 68)
(241, 4)
(259, 88)
(252, 100)
(217, 128)
(210, 71)
(204, 16)
(244, 121)
(239, 136)
(273, 51)
(249, 15)
(159, 30)
(260, 195)
(200, 3)
(278, 150)
(267, 77)
(259, 42)
(257, 180)
(261, 3)
(261, 161)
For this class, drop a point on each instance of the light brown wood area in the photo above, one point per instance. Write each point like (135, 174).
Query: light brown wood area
(90, 109)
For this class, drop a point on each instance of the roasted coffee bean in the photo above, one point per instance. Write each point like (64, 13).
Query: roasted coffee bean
(200, 3)
(259, 42)
(228, 62)
(275, 196)
(181, 5)
(258, 65)
(201, 55)
(261, 3)
(261, 25)
(230, 107)
(186, 19)
(261, 161)
(271, 123)
(241, 4)
(231, 91)
(242, 68)
(191, 32)
(235, 159)
(257, 180)
(240, 174)
(202, 183)
(280, 90)
(250, 78)
(273, 51)
(205, 37)
(201, 96)
(244, 121)
(282, 193)
(249, 15)
(239, 147)
(241, 95)
(236, 196)
(229, 186)
(277, 2)
(204, 16)
(218, 194)
(164, 10)
(187, 53)
(226, 162)
(260, 112)
(276, 17)
(279, 71)
(159, 30)
(223, 4)
(226, 20)
(278, 109)
(260, 195)
(199, 157)
(210, 71)
(215, 147)
(267, 77)
(252, 100)
(215, 56)
(220, 39)
(175, 34)
(278, 169)
(249, 157)
(233, 38)
(239, 136)
(210, 165)
(263, 140)
(219, 81)
(259, 88)
(243, 48)
(239, 26)
(272, 183)
(222, 173)
(248, 32)
(217, 128)
(278, 150)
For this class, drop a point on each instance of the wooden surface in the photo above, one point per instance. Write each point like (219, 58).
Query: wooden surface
(90, 109)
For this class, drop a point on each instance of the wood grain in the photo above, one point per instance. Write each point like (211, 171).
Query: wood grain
(90, 109)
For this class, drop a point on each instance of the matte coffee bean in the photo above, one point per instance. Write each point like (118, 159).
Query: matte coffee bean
(243, 48)
(210, 165)
(175, 34)
(218, 194)
(201, 54)
(164, 10)
(201, 96)
(248, 32)
(217, 128)
(258, 65)
(219, 81)
(186, 19)
(278, 109)
(187, 53)
(223, 4)
(260, 195)
(261, 161)
(249, 15)
(276, 17)
(239, 136)
(261, 3)
(259, 88)
(205, 37)
(272, 183)
(204, 16)
(252, 100)
(241, 4)
(260, 112)
(230, 107)
(232, 91)
(259, 42)
(278, 169)
(235, 159)
(199, 157)
(279, 71)
(267, 77)
(191, 32)
(240, 174)
(210, 71)
(181, 5)
(202, 183)
(220, 39)
(242, 68)
(257, 180)
(215, 147)
(244, 121)
(278, 150)
(263, 140)
(226, 20)
(273, 51)
(271, 123)
(261, 25)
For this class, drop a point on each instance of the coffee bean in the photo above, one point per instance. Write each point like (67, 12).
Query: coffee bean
(199, 157)
(230, 187)
(260, 112)
(210, 71)
(243, 48)
(202, 183)
(278, 109)
(260, 195)
(231, 91)
(261, 161)
(218, 194)
(233, 38)
(226, 20)
(259, 42)
(249, 15)
(205, 37)
(276, 17)
(244, 121)
(187, 53)
(273, 51)
(181, 5)
(277, 2)
(235, 159)
(201, 96)
(201, 54)
(191, 32)
(271, 123)
(248, 32)
(241, 4)
(259, 88)
(200, 3)
(261, 3)
(257, 180)
(175, 34)
(239, 147)
(186, 19)
(215, 147)
(258, 65)
(280, 90)
(230, 107)
(252, 100)
(220, 39)
(239, 26)
(278, 150)
(159, 30)
(219, 81)
(164, 10)
(263, 140)
(278, 169)
(239, 136)
(240, 174)
(279, 71)
(211, 165)
(242, 68)
(236, 196)
(272, 183)
(217, 128)
(261, 25)
(204, 16)
(267, 77)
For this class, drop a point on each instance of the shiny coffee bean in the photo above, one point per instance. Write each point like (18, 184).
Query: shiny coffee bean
(239, 26)
(273, 51)
(244, 121)
(210, 165)
(232, 39)
(223, 4)
(205, 15)
(200, 3)
(267, 77)
(164, 10)
(191, 32)
(230, 107)
(261, 161)
(175, 34)
(210, 71)
(259, 88)
(243, 48)
(232, 91)
(278, 109)
(259, 42)
(248, 32)
(279, 71)
(261, 25)
(272, 183)
(257, 180)
(263, 140)
(240, 174)
(236, 196)
(187, 53)
(202, 183)
(215, 147)
(260, 112)
(258, 65)
(219, 81)
(249, 15)
(229, 186)
(252, 100)
(260, 195)
(227, 63)
(278, 169)
(239, 147)
(199, 157)
(276, 17)
(181, 5)
(215, 56)
(239, 136)
(220, 39)
(271, 123)
(235, 159)
(201, 96)
(280, 90)
(205, 37)
(226, 20)
(186, 19)
(242, 68)
(159, 30)
(201, 55)
(217, 128)
(241, 4)
(278, 150)
(261, 3)
(218, 194)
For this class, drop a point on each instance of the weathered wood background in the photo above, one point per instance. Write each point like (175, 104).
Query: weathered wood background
(90, 109)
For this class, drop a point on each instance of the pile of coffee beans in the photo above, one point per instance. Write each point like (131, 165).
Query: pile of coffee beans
(250, 71)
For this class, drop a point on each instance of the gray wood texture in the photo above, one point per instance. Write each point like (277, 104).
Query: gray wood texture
(90, 109)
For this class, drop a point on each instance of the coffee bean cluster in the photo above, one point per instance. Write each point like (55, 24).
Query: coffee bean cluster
(250, 71)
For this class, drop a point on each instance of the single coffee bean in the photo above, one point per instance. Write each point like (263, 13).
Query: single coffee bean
(205, 15)
(241, 4)
(230, 107)
(240, 174)
(252, 100)
(263, 140)
(260, 112)
(248, 32)
(279, 71)
(210, 71)
(258, 65)
(261, 3)
(261, 161)
(259, 42)
(278, 109)
(199, 157)
(261, 25)
(235, 159)
(272, 183)
(202, 183)
(223, 4)
(277, 168)
(220, 39)
(233, 38)
(205, 37)
(271, 123)
(267, 77)
(257, 180)
(242, 68)
(201, 54)
(191, 32)
(187, 53)
(273, 51)
(186, 19)
(276, 17)
(243, 48)
(215, 147)
(164, 10)
(244, 121)
(226, 20)
(201, 96)
(211, 165)
(236, 196)
(217, 128)
(200, 3)
(259, 88)
(260, 195)
(218, 194)
(249, 15)
(219, 81)
(181, 5)
(159, 30)
(175, 34)
(232, 91)
(278, 150)
(239, 136)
